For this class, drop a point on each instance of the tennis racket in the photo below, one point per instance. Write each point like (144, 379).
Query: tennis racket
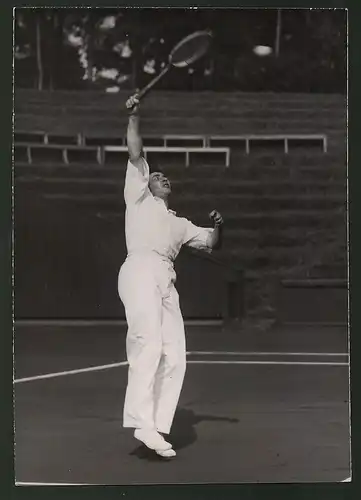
(186, 52)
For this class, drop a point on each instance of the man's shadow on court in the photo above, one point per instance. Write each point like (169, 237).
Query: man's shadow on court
(183, 432)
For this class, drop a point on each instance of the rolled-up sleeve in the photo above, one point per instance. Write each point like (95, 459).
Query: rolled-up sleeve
(136, 183)
(197, 237)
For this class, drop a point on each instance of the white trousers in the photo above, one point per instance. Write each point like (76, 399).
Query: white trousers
(155, 344)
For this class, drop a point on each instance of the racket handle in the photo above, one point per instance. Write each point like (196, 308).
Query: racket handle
(153, 82)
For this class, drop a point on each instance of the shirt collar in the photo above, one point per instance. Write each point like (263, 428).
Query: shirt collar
(162, 202)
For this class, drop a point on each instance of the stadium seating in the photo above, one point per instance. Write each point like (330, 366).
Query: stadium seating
(96, 114)
(282, 190)
(41, 145)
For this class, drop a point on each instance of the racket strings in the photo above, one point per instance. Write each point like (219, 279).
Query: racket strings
(190, 49)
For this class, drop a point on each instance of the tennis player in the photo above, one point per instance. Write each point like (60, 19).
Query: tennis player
(155, 344)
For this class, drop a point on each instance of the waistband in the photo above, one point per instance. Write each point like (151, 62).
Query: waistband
(150, 253)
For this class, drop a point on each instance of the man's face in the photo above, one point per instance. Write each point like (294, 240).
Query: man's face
(159, 185)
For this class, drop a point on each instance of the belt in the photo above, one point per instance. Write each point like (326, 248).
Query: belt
(150, 252)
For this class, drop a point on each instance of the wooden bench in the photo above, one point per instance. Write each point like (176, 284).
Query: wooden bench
(168, 140)
(165, 141)
(284, 139)
(64, 149)
(41, 137)
(208, 141)
(186, 150)
(178, 140)
(172, 140)
(100, 151)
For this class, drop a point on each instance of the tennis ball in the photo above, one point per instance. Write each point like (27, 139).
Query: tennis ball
(262, 50)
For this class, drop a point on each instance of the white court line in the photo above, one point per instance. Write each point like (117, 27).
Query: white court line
(70, 372)
(290, 363)
(255, 353)
(199, 362)
(108, 322)
(21, 483)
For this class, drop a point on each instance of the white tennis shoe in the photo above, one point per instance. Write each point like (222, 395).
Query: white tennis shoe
(152, 440)
(166, 453)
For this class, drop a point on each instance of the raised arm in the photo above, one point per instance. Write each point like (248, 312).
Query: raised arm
(134, 139)
(137, 176)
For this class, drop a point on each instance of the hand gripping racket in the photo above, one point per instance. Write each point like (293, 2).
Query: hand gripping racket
(187, 51)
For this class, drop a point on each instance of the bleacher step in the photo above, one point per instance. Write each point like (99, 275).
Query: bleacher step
(313, 301)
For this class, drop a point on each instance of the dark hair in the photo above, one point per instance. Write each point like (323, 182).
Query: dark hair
(155, 168)
(153, 171)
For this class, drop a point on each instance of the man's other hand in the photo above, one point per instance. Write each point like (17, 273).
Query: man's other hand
(216, 217)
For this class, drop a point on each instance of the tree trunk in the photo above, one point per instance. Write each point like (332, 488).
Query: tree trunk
(278, 32)
(39, 61)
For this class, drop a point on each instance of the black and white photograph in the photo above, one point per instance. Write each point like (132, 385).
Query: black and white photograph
(180, 246)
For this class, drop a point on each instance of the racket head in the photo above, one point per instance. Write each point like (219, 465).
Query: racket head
(190, 49)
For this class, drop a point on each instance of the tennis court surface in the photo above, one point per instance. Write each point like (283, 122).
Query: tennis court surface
(256, 406)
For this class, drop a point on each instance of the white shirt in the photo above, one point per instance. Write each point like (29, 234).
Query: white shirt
(150, 226)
